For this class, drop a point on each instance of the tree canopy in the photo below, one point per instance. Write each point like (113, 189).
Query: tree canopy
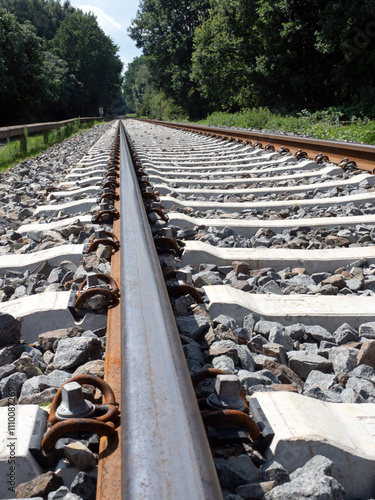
(164, 29)
(285, 54)
(55, 62)
(21, 67)
(91, 58)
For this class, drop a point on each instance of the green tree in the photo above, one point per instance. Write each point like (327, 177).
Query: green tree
(287, 54)
(45, 15)
(346, 33)
(62, 89)
(137, 82)
(224, 54)
(92, 59)
(21, 70)
(291, 69)
(164, 29)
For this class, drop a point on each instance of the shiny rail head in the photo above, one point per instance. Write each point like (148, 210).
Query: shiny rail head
(164, 446)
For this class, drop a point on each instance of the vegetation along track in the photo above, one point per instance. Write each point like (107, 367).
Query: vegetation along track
(269, 267)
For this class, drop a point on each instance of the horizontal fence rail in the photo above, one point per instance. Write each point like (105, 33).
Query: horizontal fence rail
(22, 131)
(33, 128)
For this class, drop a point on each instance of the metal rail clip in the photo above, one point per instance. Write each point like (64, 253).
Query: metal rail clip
(102, 237)
(182, 288)
(299, 154)
(90, 287)
(109, 212)
(320, 158)
(70, 412)
(347, 163)
(109, 194)
(227, 406)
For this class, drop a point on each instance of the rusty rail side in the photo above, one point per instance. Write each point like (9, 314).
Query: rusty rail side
(109, 485)
(362, 154)
(165, 452)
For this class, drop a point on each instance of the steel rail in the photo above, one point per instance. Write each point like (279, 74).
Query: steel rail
(362, 154)
(165, 452)
(108, 485)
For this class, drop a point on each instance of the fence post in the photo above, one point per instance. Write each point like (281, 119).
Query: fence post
(23, 142)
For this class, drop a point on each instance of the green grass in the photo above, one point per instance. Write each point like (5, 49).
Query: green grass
(11, 154)
(326, 124)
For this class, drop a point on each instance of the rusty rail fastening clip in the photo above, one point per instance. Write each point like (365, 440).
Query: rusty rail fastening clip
(113, 164)
(227, 417)
(147, 190)
(299, 154)
(347, 163)
(269, 147)
(164, 242)
(234, 417)
(107, 210)
(93, 288)
(140, 172)
(182, 288)
(112, 173)
(283, 150)
(109, 194)
(103, 238)
(159, 212)
(111, 183)
(320, 158)
(101, 424)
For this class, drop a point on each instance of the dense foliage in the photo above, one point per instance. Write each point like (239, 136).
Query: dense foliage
(287, 55)
(165, 29)
(321, 124)
(55, 63)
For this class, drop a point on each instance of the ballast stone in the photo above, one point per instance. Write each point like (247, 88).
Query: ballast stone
(193, 326)
(11, 386)
(311, 484)
(366, 355)
(235, 471)
(71, 353)
(367, 330)
(302, 363)
(10, 330)
(273, 471)
(84, 486)
(63, 493)
(36, 385)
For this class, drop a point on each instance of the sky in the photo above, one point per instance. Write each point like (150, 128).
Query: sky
(114, 18)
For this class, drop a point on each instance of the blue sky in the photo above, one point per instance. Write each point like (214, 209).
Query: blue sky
(114, 17)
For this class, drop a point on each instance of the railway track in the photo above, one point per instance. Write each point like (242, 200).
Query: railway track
(269, 267)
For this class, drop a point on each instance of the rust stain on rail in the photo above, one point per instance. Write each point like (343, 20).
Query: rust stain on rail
(109, 472)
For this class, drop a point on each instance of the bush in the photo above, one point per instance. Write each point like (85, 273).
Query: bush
(323, 124)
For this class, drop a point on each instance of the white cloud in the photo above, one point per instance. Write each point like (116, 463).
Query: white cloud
(104, 20)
